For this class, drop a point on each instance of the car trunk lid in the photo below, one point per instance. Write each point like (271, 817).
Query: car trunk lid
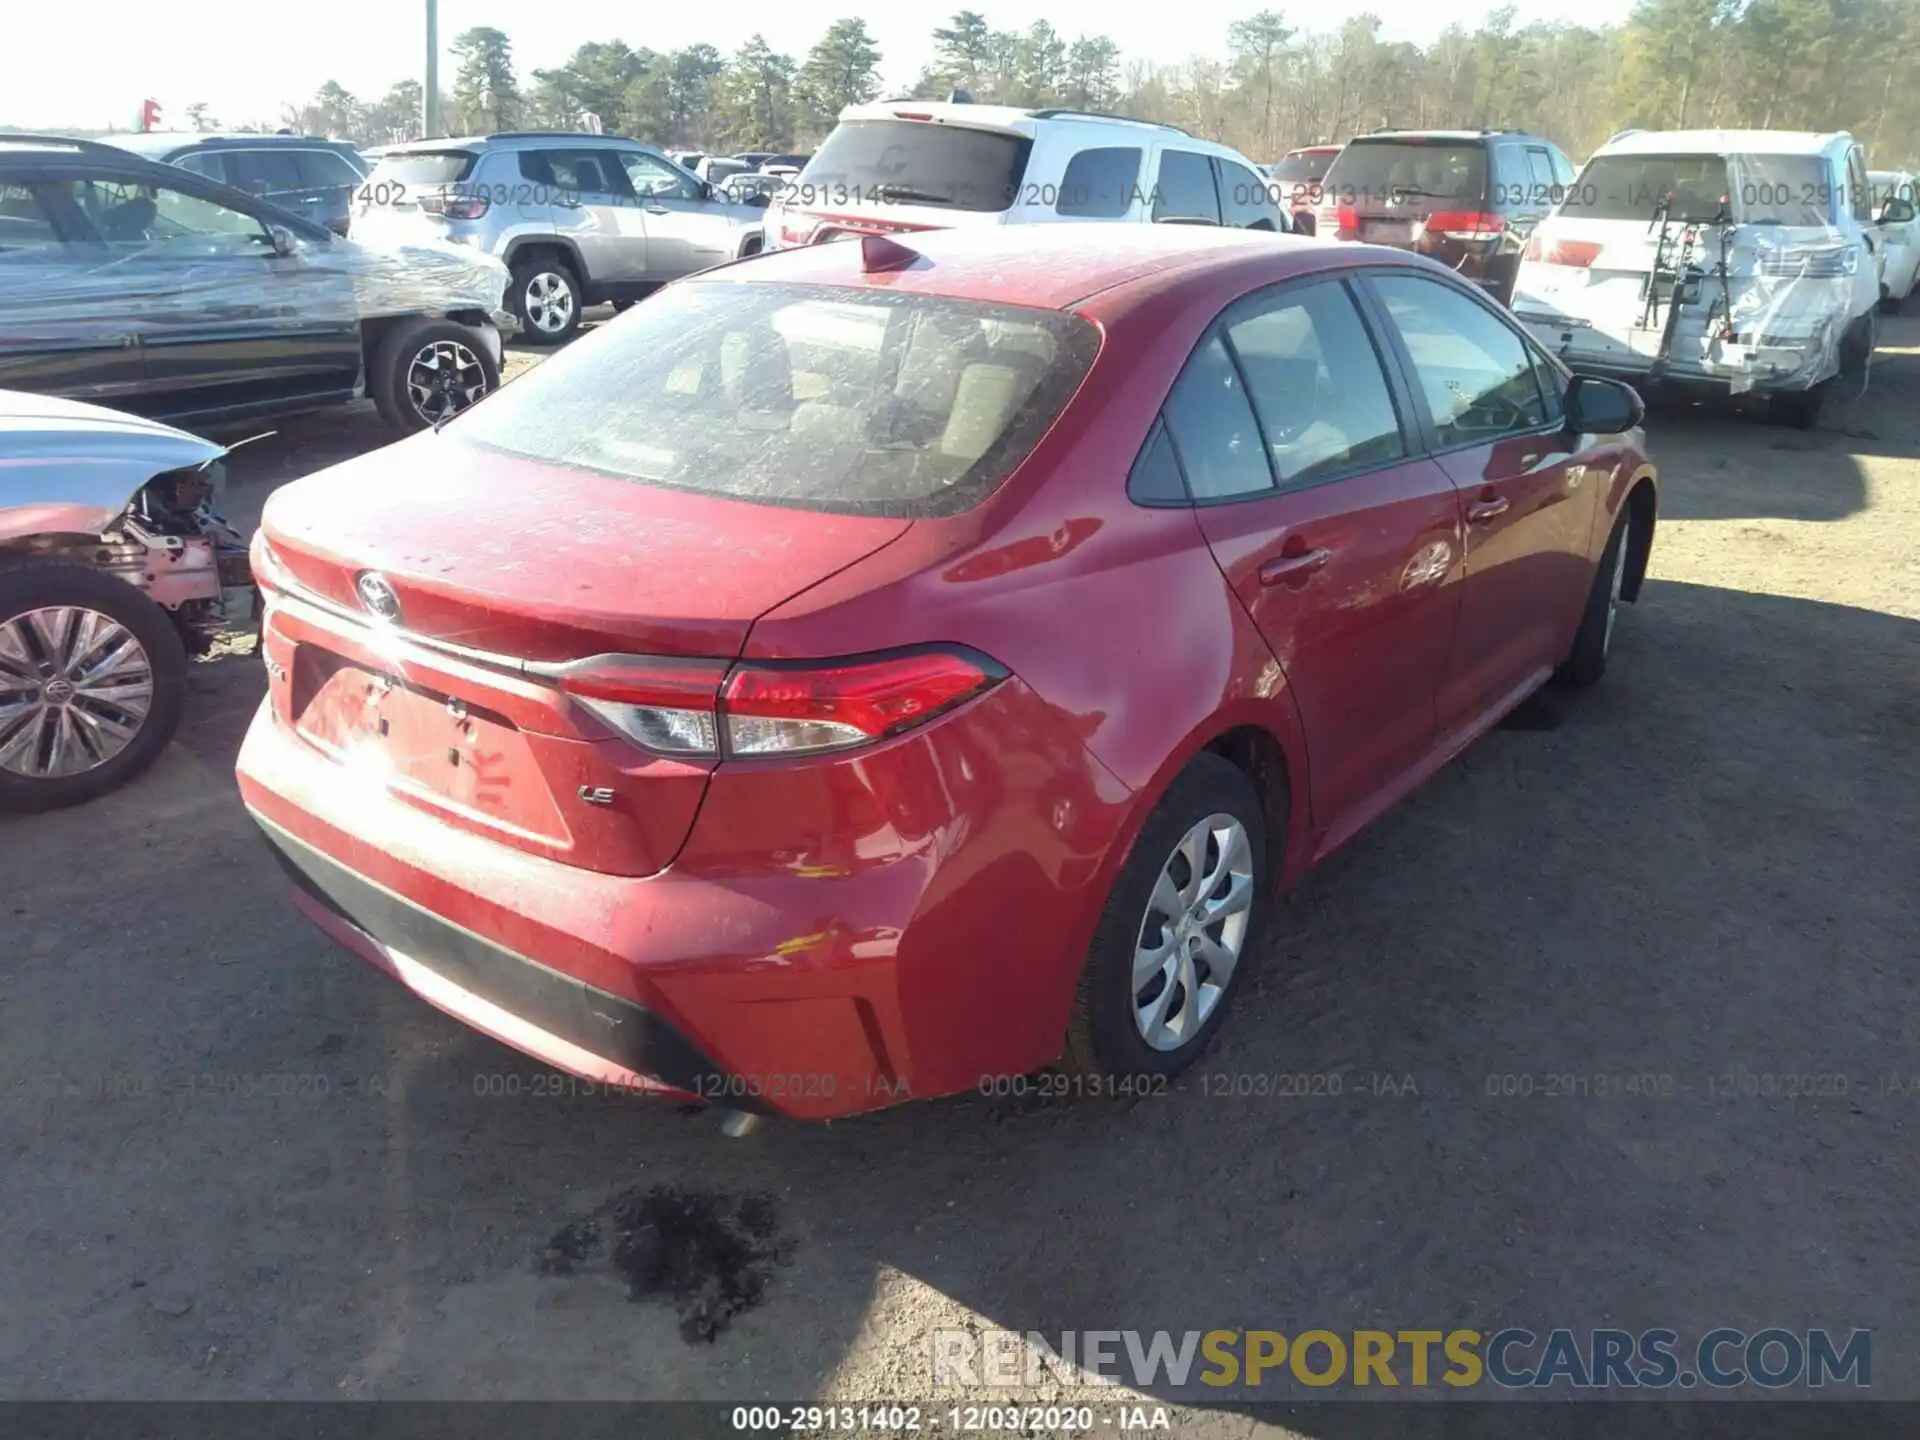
(442, 682)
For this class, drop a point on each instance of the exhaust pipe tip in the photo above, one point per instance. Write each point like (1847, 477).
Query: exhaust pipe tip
(736, 1124)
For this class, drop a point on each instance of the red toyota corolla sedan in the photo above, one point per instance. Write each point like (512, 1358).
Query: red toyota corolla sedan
(862, 672)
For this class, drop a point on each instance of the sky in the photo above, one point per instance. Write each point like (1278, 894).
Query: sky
(245, 60)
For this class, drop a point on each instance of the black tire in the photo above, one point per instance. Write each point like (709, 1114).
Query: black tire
(394, 356)
(753, 246)
(41, 582)
(1593, 641)
(620, 307)
(1103, 1038)
(546, 267)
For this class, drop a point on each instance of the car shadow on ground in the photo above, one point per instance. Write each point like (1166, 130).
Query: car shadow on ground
(1740, 466)
(245, 1165)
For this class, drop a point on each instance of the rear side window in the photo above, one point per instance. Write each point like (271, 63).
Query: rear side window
(1448, 171)
(1213, 428)
(1155, 479)
(1185, 190)
(915, 162)
(853, 400)
(322, 168)
(577, 172)
(203, 162)
(422, 169)
(1316, 384)
(1246, 201)
(1100, 184)
(1476, 373)
(24, 224)
(263, 172)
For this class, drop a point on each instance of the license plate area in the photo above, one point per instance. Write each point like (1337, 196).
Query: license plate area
(455, 753)
(1387, 232)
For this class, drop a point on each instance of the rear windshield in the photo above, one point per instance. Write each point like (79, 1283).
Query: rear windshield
(1773, 189)
(1422, 169)
(848, 400)
(914, 162)
(419, 169)
(1302, 169)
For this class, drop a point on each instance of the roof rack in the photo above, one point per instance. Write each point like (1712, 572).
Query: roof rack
(1067, 112)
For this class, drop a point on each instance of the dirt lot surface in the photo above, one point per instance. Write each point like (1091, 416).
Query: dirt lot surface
(235, 1162)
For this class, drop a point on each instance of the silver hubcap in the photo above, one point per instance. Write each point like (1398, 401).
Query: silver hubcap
(443, 379)
(549, 302)
(1613, 590)
(1192, 934)
(75, 688)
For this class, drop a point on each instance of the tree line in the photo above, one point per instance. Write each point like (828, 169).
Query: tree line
(1779, 64)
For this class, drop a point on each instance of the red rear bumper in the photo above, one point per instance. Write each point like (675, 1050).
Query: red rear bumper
(834, 937)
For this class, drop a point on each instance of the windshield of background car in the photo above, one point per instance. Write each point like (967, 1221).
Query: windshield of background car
(1370, 171)
(856, 401)
(914, 162)
(1774, 189)
(1302, 169)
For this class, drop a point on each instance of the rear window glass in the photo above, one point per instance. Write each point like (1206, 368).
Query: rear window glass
(1422, 169)
(915, 162)
(1774, 189)
(420, 168)
(1100, 184)
(1302, 169)
(848, 400)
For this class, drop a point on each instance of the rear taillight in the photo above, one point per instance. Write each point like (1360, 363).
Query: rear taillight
(1578, 254)
(1346, 221)
(665, 705)
(797, 230)
(703, 708)
(1465, 225)
(454, 207)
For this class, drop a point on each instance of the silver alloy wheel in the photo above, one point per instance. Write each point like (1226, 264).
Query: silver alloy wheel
(444, 378)
(1613, 590)
(550, 301)
(75, 688)
(1193, 932)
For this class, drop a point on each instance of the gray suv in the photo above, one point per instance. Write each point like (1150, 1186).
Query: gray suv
(579, 219)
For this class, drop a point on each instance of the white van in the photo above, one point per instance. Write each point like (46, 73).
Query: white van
(896, 166)
(1743, 260)
(1896, 195)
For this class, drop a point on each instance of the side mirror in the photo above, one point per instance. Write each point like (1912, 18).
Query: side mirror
(1603, 407)
(284, 240)
(704, 190)
(1897, 212)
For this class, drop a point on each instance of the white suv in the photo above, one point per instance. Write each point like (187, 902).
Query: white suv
(1738, 260)
(904, 165)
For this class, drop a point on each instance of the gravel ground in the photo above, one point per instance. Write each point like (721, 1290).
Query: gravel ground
(237, 1163)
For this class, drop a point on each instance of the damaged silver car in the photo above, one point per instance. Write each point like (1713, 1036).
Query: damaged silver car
(146, 287)
(114, 569)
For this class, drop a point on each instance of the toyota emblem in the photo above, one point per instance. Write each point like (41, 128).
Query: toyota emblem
(377, 595)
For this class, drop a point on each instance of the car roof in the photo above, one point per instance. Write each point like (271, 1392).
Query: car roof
(1389, 136)
(1724, 142)
(154, 143)
(1050, 267)
(1014, 119)
(515, 140)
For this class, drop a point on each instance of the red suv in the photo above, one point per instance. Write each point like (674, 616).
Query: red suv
(869, 671)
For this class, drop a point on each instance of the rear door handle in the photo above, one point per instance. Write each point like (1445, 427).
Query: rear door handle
(1288, 566)
(1483, 510)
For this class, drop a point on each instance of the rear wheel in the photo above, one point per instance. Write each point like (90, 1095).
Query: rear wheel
(93, 677)
(1177, 931)
(1799, 409)
(545, 296)
(426, 371)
